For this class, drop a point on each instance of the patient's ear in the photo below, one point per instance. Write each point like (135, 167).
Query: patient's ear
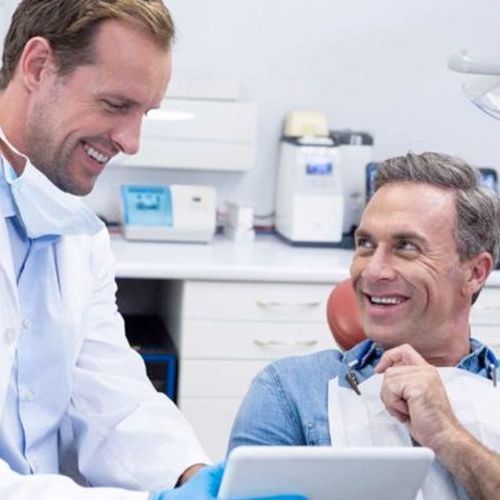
(479, 268)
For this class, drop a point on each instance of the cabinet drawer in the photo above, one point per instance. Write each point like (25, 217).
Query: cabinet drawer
(217, 379)
(254, 301)
(212, 420)
(252, 340)
(486, 310)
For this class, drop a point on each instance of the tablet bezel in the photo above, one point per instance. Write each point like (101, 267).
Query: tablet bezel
(326, 473)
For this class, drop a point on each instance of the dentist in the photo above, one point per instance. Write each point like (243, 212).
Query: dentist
(76, 80)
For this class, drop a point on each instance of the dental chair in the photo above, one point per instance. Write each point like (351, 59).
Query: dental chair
(343, 316)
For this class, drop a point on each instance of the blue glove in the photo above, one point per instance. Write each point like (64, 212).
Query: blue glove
(204, 485)
(279, 497)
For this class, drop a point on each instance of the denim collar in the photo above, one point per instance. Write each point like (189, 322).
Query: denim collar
(480, 360)
(363, 358)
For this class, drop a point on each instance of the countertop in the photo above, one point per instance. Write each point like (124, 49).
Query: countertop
(265, 259)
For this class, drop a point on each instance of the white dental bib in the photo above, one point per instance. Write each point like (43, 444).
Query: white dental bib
(362, 420)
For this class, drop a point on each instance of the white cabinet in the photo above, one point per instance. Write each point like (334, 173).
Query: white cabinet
(228, 332)
(485, 318)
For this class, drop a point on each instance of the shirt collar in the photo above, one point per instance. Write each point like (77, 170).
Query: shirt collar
(480, 360)
(363, 358)
(362, 354)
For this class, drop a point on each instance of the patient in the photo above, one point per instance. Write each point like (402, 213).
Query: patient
(427, 241)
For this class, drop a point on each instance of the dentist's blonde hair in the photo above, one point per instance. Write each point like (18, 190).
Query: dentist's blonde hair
(70, 27)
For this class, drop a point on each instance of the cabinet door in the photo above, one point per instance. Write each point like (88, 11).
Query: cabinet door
(486, 310)
(229, 332)
(217, 379)
(212, 419)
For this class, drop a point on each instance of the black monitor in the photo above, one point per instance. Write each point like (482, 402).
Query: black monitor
(488, 177)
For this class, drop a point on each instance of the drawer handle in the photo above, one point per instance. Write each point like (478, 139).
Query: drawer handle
(282, 306)
(285, 343)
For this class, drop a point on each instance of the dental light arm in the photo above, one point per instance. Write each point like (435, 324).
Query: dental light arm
(463, 63)
(483, 86)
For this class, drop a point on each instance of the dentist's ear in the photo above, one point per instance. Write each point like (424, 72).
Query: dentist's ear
(480, 267)
(36, 59)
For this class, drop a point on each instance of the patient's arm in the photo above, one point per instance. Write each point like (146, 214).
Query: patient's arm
(266, 416)
(412, 392)
(475, 466)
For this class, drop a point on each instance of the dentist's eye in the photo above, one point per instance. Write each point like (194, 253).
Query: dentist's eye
(116, 107)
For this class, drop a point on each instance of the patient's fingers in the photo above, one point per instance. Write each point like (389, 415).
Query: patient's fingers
(399, 356)
(392, 395)
(415, 395)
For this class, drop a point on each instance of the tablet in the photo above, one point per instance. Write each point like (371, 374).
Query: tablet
(326, 473)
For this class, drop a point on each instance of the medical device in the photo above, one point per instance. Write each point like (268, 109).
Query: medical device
(169, 212)
(197, 134)
(356, 151)
(309, 198)
(483, 87)
(488, 178)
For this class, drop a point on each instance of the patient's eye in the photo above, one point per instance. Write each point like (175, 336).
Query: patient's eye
(364, 243)
(407, 246)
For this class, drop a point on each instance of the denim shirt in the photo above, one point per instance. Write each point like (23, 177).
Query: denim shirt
(287, 403)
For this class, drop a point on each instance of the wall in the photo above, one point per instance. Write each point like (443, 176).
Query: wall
(379, 66)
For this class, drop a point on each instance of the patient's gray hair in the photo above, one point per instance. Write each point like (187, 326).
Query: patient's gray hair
(477, 208)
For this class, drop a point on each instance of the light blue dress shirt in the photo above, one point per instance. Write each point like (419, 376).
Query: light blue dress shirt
(38, 394)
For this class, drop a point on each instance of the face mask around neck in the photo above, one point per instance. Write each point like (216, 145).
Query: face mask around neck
(43, 208)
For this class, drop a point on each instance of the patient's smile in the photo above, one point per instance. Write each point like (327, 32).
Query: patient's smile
(387, 300)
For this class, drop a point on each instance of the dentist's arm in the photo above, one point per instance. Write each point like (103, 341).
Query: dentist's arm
(413, 393)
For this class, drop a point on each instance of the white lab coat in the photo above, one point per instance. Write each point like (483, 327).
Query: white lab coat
(122, 433)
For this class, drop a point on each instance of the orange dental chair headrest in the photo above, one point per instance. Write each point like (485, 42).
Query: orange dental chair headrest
(344, 317)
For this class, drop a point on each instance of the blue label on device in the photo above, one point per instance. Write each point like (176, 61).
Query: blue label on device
(147, 205)
(319, 168)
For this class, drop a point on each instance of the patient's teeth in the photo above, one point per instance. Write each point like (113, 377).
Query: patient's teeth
(386, 300)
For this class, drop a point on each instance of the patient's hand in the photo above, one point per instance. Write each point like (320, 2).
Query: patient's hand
(413, 392)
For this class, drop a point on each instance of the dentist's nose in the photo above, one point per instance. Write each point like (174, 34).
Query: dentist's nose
(127, 135)
(379, 266)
